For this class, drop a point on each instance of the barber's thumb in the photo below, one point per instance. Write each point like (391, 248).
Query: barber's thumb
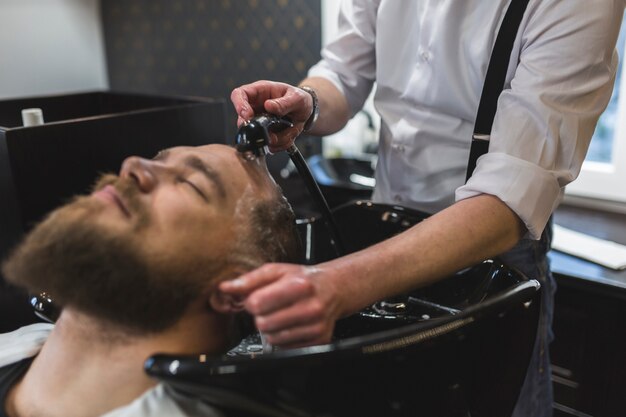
(234, 286)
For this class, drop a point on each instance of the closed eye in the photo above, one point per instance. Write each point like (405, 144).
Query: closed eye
(195, 188)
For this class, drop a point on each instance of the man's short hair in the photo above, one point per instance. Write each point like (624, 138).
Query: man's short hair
(273, 236)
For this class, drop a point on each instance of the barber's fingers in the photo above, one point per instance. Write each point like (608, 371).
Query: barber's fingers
(280, 294)
(243, 105)
(290, 306)
(250, 99)
(313, 334)
(253, 280)
(277, 98)
(303, 313)
(284, 140)
(295, 103)
(241, 121)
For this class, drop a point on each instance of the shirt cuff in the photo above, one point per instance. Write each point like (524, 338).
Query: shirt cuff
(530, 191)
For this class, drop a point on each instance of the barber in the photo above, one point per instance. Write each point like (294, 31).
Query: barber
(429, 61)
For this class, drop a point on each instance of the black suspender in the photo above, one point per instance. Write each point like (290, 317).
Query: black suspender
(494, 81)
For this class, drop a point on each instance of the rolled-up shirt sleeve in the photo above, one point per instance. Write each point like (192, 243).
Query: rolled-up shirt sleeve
(349, 62)
(546, 117)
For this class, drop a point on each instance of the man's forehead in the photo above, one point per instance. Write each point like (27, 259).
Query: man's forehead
(227, 161)
(217, 150)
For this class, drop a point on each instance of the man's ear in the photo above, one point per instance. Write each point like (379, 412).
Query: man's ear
(225, 303)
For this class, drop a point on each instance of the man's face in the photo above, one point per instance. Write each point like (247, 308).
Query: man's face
(186, 202)
(146, 242)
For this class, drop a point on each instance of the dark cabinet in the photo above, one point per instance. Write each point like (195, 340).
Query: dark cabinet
(589, 351)
(85, 134)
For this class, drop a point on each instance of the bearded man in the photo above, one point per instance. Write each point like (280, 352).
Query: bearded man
(135, 267)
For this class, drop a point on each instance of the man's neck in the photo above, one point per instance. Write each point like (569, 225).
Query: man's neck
(83, 360)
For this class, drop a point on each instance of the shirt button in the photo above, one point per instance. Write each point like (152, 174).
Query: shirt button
(397, 198)
(425, 56)
(398, 148)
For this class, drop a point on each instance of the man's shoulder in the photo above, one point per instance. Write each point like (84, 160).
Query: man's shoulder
(23, 343)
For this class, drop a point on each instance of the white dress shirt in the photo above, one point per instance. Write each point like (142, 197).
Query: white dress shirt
(429, 59)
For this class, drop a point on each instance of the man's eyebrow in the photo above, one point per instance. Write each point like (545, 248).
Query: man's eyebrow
(197, 164)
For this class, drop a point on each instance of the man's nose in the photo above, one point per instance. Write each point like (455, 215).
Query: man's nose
(142, 171)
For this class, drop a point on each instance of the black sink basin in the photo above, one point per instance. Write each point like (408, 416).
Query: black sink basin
(343, 179)
(457, 348)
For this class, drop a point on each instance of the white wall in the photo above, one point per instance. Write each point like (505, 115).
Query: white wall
(50, 46)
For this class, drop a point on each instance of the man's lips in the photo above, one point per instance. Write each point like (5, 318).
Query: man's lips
(109, 194)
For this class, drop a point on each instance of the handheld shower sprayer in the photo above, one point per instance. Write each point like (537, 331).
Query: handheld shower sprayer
(253, 137)
(253, 140)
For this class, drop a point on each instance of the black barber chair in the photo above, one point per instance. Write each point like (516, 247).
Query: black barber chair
(458, 348)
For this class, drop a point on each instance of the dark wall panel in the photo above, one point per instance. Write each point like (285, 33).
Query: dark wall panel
(208, 47)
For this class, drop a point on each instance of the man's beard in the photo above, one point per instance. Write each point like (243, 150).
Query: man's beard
(106, 275)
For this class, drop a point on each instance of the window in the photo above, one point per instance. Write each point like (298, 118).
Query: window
(603, 175)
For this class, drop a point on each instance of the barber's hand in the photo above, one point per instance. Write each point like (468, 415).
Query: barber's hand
(276, 98)
(293, 305)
